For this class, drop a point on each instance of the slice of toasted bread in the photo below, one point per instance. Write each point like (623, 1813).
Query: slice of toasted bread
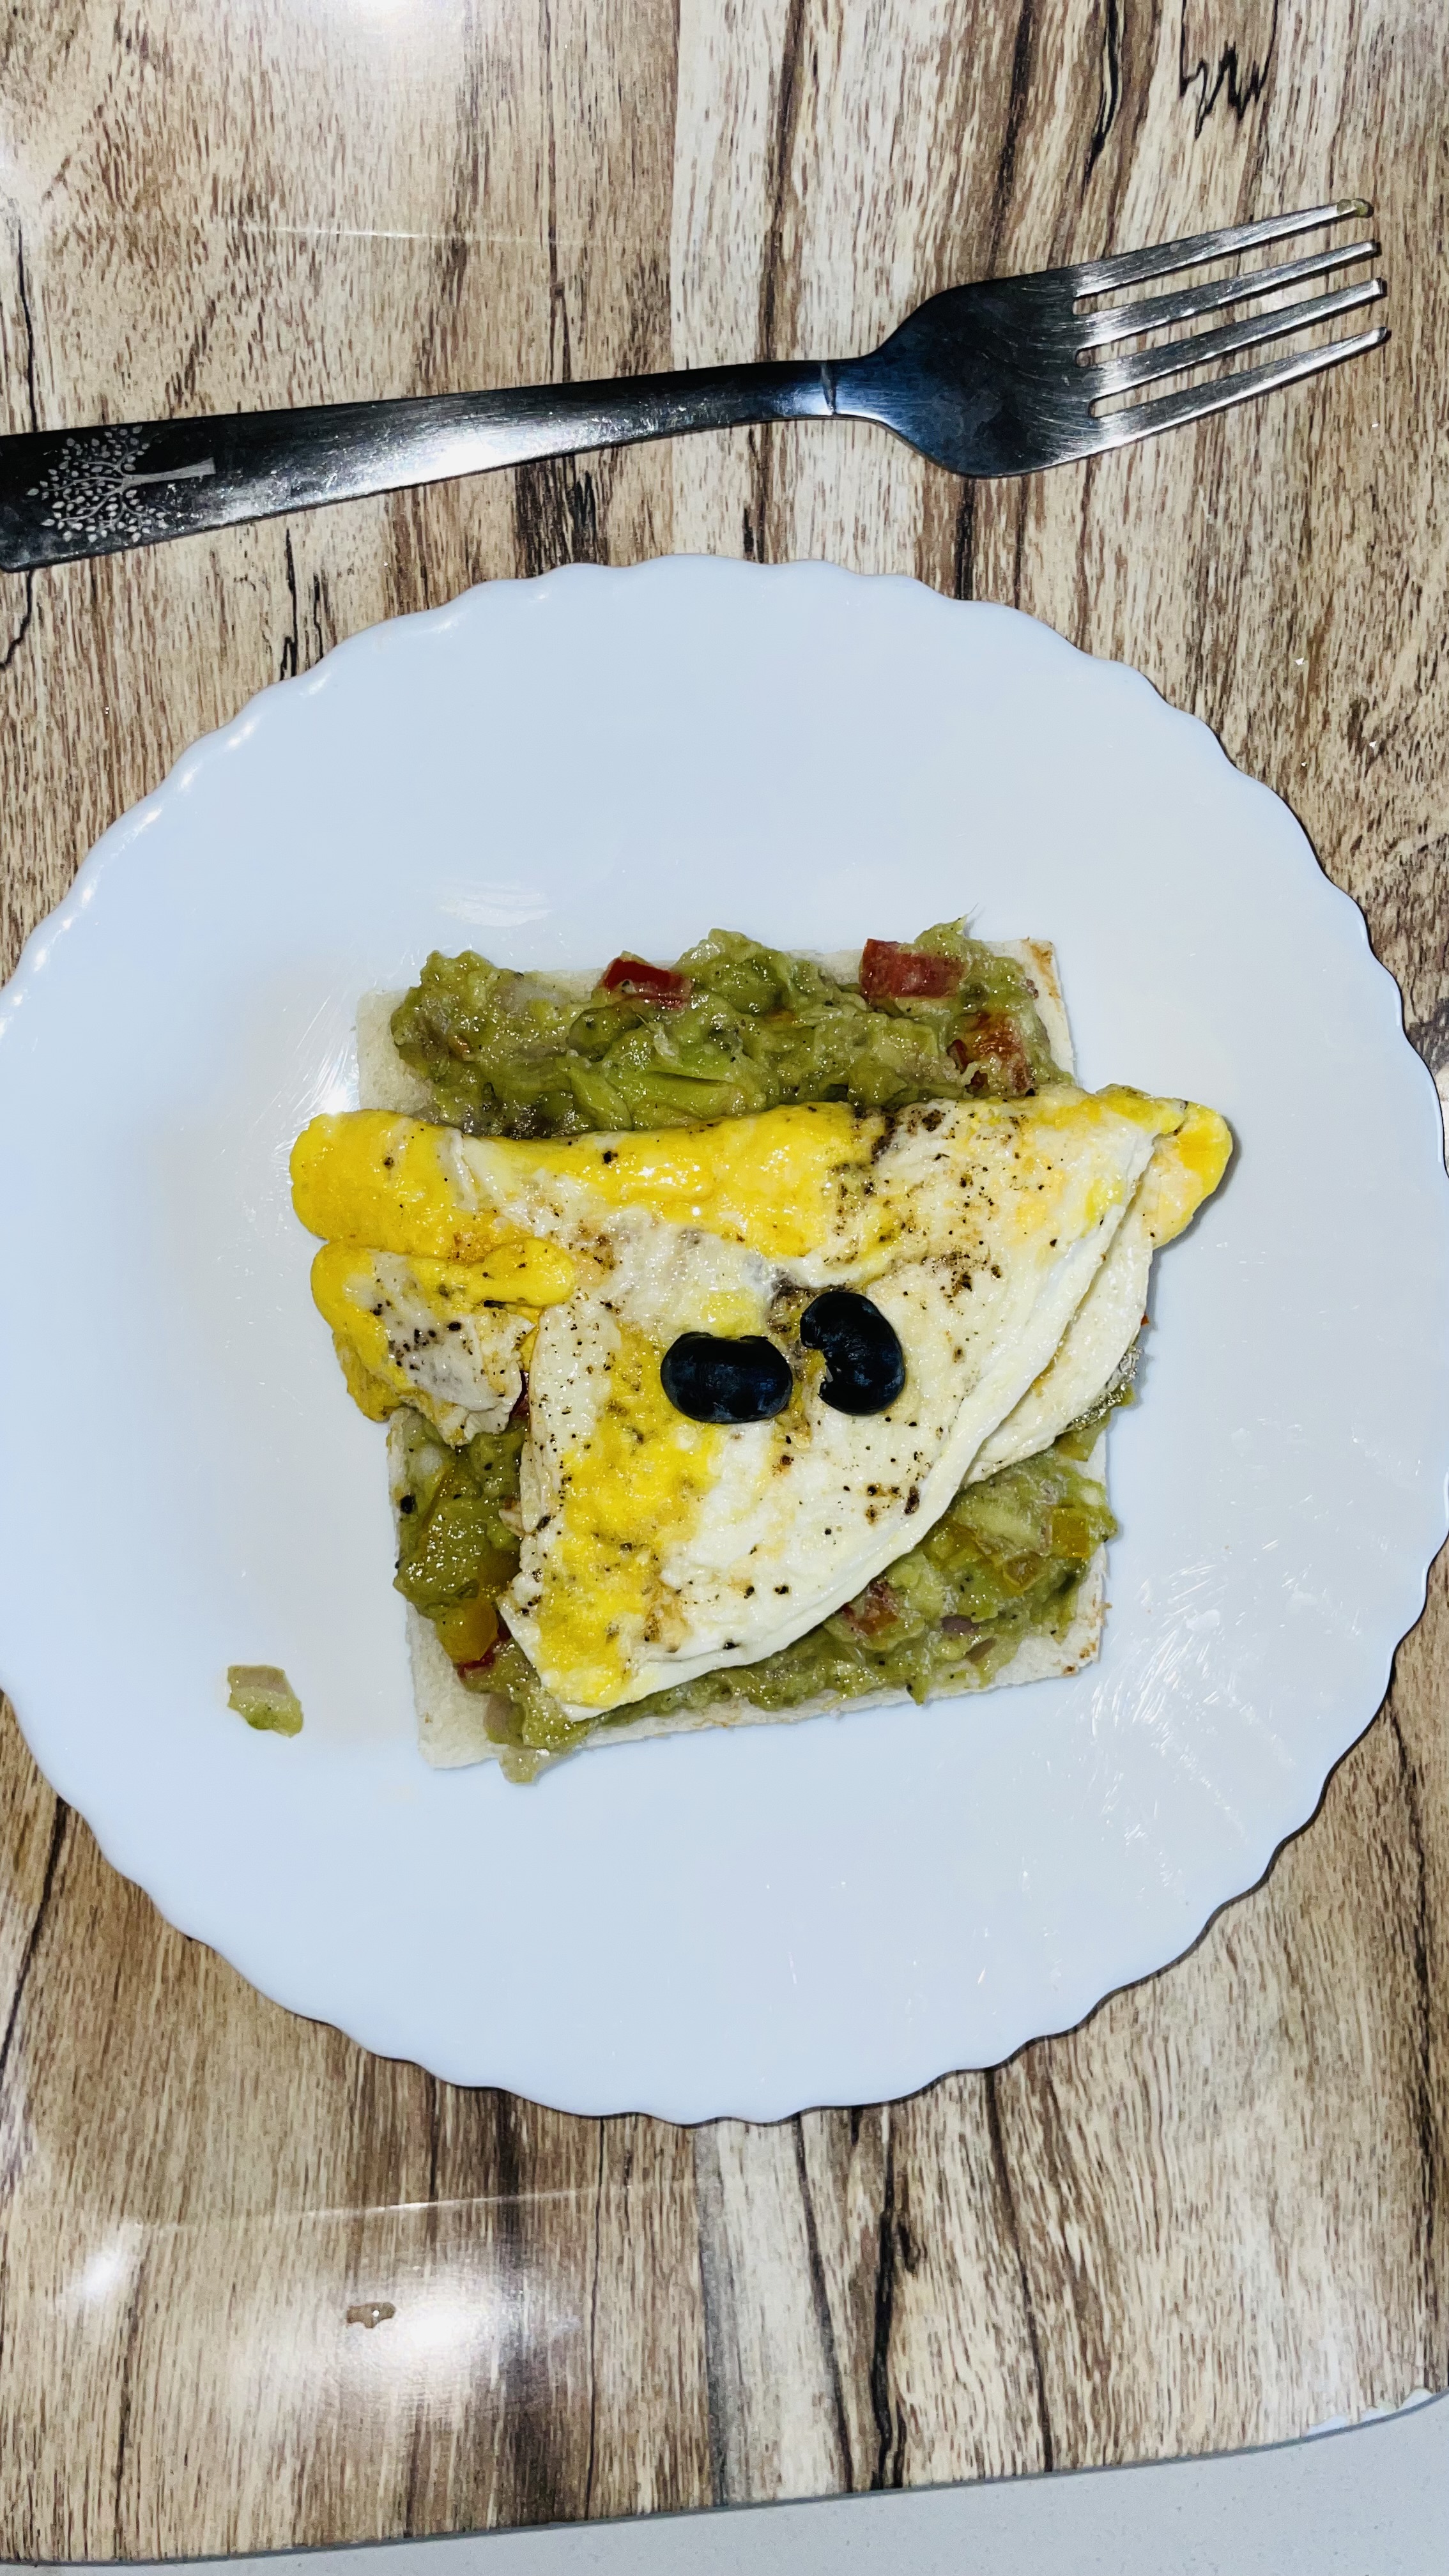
(453, 1722)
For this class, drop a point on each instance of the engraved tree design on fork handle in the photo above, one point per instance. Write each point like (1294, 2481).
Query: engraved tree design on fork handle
(93, 489)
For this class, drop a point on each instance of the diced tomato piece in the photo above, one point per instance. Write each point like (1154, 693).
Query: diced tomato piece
(891, 973)
(990, 1048)
(658, 984)
(877, 1608)
(477, 1664)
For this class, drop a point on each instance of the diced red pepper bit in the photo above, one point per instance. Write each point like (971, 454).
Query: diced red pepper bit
(892, 973)
(991, 1046)
(658, 984)
(480, 1663)
(877, 1608)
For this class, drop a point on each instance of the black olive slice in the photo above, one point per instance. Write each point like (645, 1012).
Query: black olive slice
(865, 1367)
(713, 1380)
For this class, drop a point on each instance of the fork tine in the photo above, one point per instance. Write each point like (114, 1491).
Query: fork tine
(1171, 411)
(1157, 312)
(1129, 267)
(1195, 349)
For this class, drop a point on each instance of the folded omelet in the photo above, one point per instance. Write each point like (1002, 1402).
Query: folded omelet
(770, 1386)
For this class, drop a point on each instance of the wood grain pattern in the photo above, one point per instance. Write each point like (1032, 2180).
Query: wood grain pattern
(1220, 2211)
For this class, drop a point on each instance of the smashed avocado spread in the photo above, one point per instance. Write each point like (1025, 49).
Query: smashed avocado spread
(733, 1027)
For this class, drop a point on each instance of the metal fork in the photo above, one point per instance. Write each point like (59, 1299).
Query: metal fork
(1003, 377)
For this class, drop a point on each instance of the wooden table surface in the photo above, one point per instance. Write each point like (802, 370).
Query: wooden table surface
(259, 2289)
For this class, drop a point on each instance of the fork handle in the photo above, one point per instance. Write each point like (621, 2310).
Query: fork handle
(67, 493)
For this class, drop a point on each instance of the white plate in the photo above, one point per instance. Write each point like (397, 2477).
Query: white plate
(752, 1922)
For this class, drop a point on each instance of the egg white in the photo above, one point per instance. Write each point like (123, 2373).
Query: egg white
(1087, 1358)
(1185, 1167)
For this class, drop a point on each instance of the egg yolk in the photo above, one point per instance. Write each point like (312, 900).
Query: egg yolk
(1185, 1170)
(369, 1177)
(773, 1182)
(1189, 1159)
(642, 1469)
(374, 1396)
(347, 1294)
